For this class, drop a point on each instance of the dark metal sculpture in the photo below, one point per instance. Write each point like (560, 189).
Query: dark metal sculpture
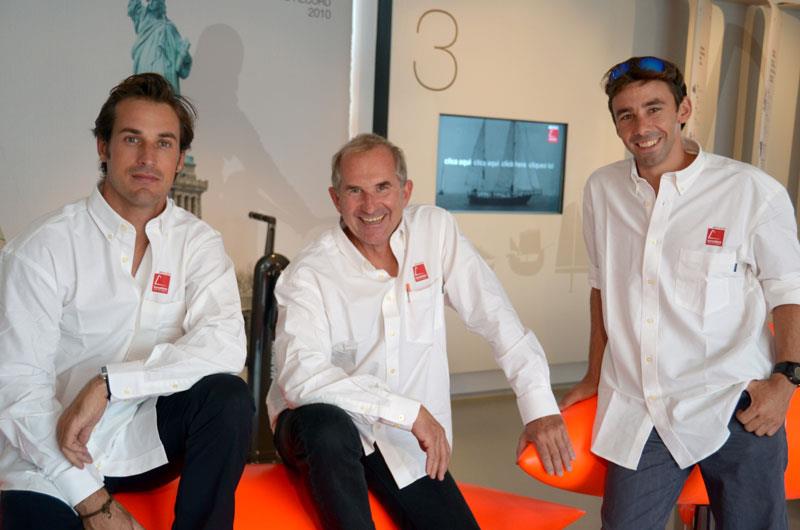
(262, 334)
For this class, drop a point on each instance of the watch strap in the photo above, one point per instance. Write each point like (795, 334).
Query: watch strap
(790, 369)
(104, 375)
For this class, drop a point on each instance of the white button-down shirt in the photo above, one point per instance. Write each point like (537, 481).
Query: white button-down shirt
(687, 278)
(69, 305)
(355, 337)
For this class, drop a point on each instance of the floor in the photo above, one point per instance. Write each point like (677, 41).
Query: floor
(485, 435)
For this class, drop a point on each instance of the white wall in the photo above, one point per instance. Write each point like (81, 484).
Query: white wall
(531, 60)
(272, 86)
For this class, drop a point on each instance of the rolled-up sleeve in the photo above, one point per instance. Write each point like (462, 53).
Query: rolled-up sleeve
(588, 237)
(776, 251)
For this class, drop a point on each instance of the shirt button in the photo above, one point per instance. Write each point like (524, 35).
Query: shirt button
(110, 236)
(649, 320)
(124, 259)
(392, 371)
(127, 391)
(174, 386)
(651, 282)
(651, 399)
(654, 241)
(391, 333)
(648, 359)
(401, 417)
(647, 204)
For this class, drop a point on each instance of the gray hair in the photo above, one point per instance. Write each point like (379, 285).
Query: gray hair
(361, 144)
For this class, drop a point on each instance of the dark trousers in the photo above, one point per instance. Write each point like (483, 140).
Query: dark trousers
(744, 479)
(205, 431)
(322, 444)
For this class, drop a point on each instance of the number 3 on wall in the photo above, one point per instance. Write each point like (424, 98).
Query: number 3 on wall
(444, 48)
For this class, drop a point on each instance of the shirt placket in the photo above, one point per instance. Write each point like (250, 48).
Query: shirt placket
(659, 208)
(391, 330)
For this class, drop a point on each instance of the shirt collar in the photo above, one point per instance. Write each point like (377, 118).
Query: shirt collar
(682, 179)
(112, 224)
(397, 242)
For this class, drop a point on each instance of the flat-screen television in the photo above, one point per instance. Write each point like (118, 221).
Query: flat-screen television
(492, 164)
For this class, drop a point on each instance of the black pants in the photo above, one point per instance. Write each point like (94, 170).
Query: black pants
(205, 431)
(321, 443)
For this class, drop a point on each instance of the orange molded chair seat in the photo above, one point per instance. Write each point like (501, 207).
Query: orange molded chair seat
(589, 471)
(268, 497)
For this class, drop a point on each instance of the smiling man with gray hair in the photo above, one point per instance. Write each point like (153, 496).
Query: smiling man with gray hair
(361, 396)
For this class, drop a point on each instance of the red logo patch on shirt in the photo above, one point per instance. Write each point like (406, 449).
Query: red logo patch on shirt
(420, 272)
(552, 134)
(161, 282)
(715, 236)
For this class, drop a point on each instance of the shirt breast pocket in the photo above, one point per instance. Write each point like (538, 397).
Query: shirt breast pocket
(425, 312)
(703, 280)
(164, 319)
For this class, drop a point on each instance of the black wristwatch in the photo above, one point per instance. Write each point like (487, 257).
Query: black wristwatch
(790, 370)
(104, 376)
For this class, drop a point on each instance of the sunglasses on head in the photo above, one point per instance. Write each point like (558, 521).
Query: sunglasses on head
(650, 64)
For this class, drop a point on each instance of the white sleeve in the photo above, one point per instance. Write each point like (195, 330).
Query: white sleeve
(589, 237)
(30, 314)
(214, 341)
(776, 252)
(305, 373)
(473, 290)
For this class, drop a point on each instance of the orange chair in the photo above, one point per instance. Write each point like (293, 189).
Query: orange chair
(589, 471)
(268, 497)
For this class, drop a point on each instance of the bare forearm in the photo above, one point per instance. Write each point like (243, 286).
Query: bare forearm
(787, 332)
(597, 336)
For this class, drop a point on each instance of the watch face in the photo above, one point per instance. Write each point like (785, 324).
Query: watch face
(797, 373)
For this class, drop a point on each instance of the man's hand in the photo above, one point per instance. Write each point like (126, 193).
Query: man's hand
(433, 440)
(769, 402)
(78, 419)
(549, 435)
(118, 518)
(586, 388)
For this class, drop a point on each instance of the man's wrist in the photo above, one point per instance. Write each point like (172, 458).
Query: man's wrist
(104, 377)
(789, 370)
(783, 382)
(93, 503)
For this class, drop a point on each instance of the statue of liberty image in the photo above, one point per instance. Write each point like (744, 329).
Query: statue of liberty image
(159, 47)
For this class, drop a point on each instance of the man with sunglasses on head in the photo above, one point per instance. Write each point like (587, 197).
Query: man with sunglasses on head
(690, 252)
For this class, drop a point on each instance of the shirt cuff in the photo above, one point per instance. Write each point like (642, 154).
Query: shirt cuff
(77, 484)
(536, 404)
(123, 379)
(594, 277)
(400, 412)
(781, 292)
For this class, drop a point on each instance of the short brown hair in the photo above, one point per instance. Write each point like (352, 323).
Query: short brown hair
(151, 87)
(636, 69)
(361, 144)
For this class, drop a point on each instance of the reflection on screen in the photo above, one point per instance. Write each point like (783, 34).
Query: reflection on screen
(490, 164)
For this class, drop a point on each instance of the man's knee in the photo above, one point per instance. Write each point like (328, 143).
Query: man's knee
(322, 429)
(228, 397)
